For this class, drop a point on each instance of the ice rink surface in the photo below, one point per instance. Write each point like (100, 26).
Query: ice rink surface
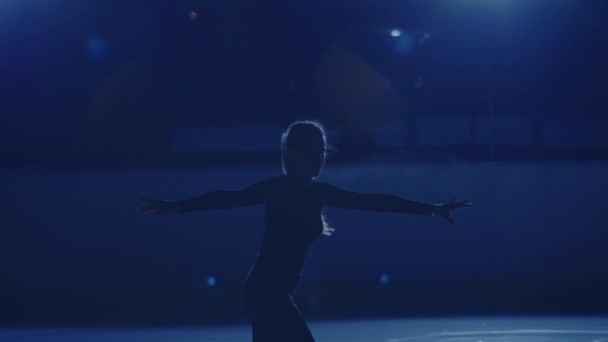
(479, 329)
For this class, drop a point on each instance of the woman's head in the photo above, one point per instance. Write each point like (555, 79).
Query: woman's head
(303, 149)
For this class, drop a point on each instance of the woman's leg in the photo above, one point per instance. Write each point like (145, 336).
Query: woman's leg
(297, 330)
(279, 320)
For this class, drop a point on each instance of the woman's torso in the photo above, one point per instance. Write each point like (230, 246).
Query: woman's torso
(293, 221)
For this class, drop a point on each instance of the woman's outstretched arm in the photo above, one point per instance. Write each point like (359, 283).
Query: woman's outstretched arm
(224, 199)
(219, 199)
(340, 198)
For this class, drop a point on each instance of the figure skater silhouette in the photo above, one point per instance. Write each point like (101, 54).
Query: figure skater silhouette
(294, 220)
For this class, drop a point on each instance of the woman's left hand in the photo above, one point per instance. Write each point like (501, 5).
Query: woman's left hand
(445, 210)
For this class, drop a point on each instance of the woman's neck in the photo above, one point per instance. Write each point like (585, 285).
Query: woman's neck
(303, 180)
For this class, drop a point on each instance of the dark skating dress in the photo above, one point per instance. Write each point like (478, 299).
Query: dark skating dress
(293, 221)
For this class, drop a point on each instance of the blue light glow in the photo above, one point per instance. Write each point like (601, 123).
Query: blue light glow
(97, 48)
(211, 281)
(384, 279)
(396, 33)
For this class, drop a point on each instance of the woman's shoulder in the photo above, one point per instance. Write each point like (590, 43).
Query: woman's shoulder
(321, 185)
(271, 182)
(265, 188)
(276, 179)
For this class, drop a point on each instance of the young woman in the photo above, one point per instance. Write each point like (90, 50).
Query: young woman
(294, 220)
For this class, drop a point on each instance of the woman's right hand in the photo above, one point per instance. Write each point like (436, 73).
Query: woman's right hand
(158, 207)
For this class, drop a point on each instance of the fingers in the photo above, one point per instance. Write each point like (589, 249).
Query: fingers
(147, 210)
(150, 210)
(450, 220)
(466, 203)
(328, 232)
(446, 211)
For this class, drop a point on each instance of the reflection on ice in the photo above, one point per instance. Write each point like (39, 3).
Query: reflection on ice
(530, 335)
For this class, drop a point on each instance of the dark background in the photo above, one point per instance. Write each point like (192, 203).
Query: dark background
(106, 101)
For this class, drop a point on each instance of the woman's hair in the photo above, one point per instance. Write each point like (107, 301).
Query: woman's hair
(300, 135)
